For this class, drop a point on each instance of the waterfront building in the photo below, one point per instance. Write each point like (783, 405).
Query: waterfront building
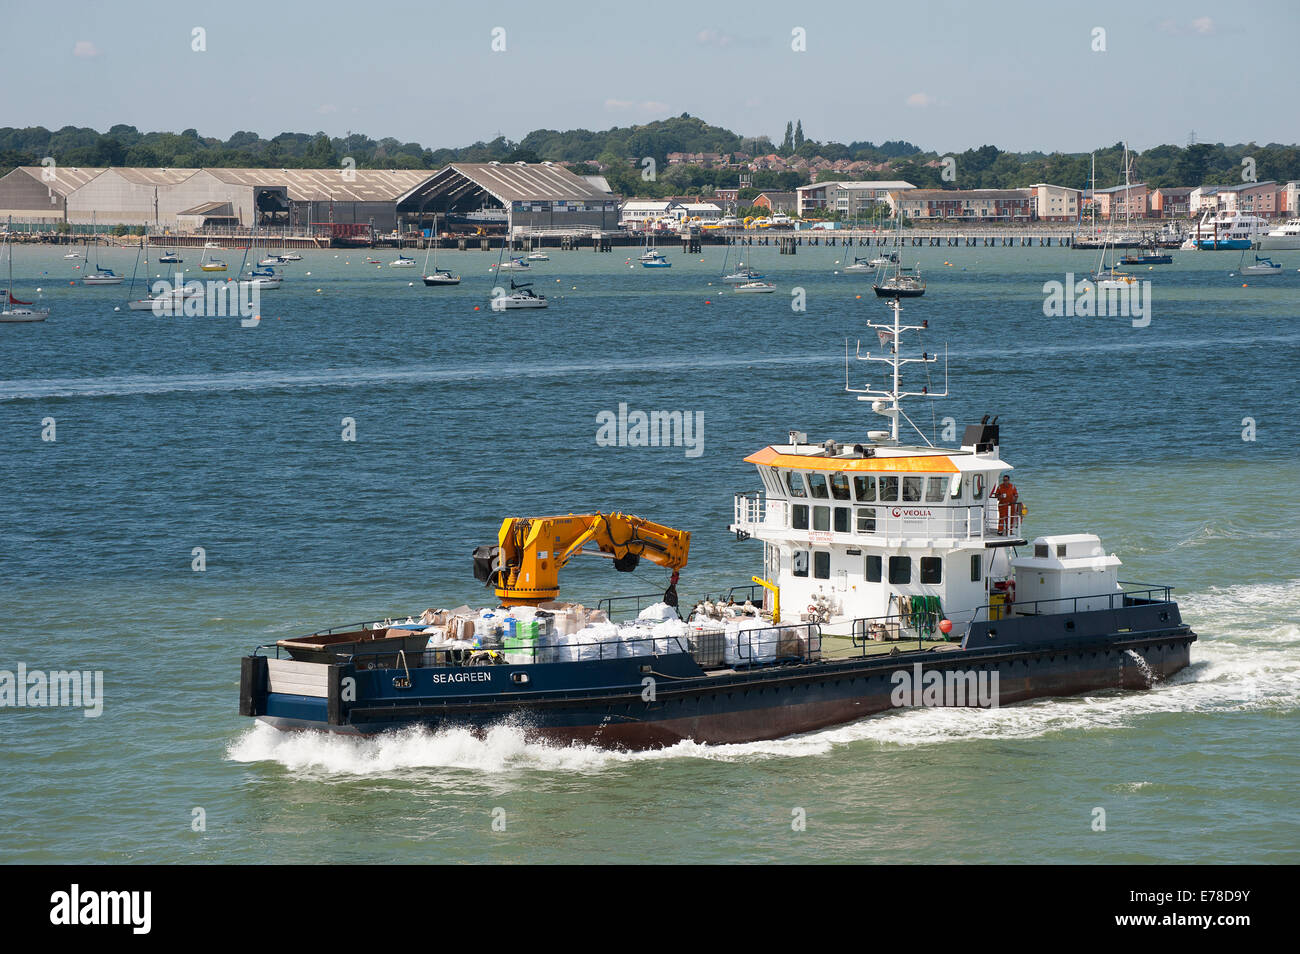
(849, 198)
(39, 194)
(971, 205)
(1172, 202)
(1118, 202)
(1053, 203)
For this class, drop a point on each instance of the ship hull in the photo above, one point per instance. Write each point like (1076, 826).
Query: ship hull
(606, 703)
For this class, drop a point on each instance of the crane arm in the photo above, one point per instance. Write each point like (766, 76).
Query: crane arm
(524, 565)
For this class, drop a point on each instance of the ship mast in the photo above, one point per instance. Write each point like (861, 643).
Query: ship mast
(886, 402)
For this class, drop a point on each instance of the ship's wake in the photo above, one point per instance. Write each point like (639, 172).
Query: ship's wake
(1247, 658)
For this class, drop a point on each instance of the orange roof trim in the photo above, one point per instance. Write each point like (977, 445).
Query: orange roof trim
(770, 457)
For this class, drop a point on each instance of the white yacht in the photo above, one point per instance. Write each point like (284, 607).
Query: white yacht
(1228, 229)
(1283, 238)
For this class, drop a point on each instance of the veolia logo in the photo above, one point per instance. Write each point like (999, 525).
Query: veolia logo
(910, 512)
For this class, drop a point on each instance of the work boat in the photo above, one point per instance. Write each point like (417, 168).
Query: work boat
(892, 575)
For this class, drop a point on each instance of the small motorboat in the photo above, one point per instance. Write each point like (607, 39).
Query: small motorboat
(657, 260)
(402, 262)
(213, 266)
(754, 288)
(291, 257)
(170, 257)
(73, 255)
(514, 265)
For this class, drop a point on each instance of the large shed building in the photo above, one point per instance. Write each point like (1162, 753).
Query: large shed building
(39, 194)
(523, 196)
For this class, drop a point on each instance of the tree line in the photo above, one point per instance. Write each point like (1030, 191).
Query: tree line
(622, 152)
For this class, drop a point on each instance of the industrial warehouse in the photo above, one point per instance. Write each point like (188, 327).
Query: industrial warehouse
(482, 197)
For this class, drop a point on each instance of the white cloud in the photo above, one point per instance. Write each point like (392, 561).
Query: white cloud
(921, 100)
(84, 48)
(327, 108)
(1203, 25)
(619, 104)
(654, 107)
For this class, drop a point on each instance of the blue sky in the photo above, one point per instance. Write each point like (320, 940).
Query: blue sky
(943, 75)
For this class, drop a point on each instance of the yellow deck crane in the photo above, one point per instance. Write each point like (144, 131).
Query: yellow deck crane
(525, 564)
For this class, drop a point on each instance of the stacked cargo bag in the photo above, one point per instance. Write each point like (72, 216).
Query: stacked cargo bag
(744, 647)
(595, 641)
(672, 635)
(636, 640)
(656, 613)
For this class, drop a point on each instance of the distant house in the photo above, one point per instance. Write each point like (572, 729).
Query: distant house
(972, 205)
(1291, 198)
(849, 198)
(1255, 198)
(1053, 203)
(1119, 201)
(639, 213)
(777, 201)
(1171, 202)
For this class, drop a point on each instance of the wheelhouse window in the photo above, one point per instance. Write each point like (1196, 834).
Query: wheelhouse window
(794, 480)
(817, 484)
(822, 564)
(976, 568)
(912, 489)
(821, 518)
(873, 569)
(864, 488)
(799, 563)
(799, 517)
(954, 487)
(978, 487)
(900, 569)
(866, 520)
(842, 515)
(888, 489)
(935, 487)
(931, 569)
(840, 486)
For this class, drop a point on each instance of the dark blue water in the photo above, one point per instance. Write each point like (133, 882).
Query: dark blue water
(177, 433)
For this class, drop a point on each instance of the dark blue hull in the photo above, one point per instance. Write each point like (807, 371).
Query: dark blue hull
(652, 701)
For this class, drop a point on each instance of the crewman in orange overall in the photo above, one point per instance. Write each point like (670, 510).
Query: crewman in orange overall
(1008, 503)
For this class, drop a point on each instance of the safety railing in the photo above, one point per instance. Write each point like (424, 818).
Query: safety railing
(919, 627)
(613, 605)
(1130, 594)
(772, 645)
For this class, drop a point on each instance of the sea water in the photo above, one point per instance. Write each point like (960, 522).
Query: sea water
(199, 497)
